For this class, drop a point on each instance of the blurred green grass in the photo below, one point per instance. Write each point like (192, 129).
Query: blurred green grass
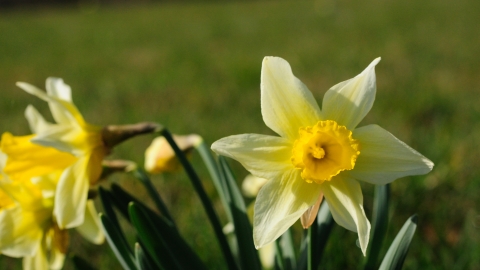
(196, 69)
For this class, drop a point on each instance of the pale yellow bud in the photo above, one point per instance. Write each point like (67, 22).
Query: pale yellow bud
(252, 184)
(160, 157)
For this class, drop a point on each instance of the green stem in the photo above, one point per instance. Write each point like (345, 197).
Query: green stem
(197, 184)
(152, 191)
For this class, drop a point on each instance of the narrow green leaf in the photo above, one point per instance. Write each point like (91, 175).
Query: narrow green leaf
(217, 177)
(248, 255)
(115, 239)
(152, 191)
(81, 264)
(158, 234)
(107, 203)
(143, 261)
(279, 263)
(379, 224)
(398, 249)
(153, 242)
(285, 252)
(321, 229)
(207, 204)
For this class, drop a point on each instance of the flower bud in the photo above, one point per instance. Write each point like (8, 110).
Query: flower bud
(160, 157)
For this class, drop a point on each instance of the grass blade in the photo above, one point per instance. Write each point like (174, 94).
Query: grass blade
(398, 249)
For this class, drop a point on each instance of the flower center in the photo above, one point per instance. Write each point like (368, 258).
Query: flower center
(324, 150)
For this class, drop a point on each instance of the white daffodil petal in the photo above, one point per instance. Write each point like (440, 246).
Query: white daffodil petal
(20, 233)
(263, 156)
(91, 227)
(71, 195)
(57, 88)
(286, 102)
(384, 158)
(35, 120)
(279, 204)
(349, 101)
(345, 200)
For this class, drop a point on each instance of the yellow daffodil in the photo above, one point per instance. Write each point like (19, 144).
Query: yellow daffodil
(160, 157)
(28, 228)
(318, 152)
(80, 151)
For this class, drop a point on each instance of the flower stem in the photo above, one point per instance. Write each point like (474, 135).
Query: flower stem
(197, 184)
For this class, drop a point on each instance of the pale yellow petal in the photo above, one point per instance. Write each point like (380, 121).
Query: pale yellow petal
(71, 195)
(263, 156)
(348, 102)
(68, 108)
(38, 261)
(70, 139)
(279, 204)
(91, 227)
(345, 200)
(384, 158)
(286, 102)
(36, 121)
(20, 231)
(58, 89)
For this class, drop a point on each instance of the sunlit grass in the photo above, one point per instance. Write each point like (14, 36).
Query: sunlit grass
(196, 69)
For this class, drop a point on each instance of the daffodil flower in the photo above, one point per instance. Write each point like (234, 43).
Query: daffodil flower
(28, 228)
(80, 151)
(318, 152)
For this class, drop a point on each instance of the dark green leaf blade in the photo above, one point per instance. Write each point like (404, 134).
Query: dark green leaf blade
(398, 249)
(118, 244)
(159, 236)
(248, 255)
(81, 264)
(142, 259)
(321, 229)
(379, 224)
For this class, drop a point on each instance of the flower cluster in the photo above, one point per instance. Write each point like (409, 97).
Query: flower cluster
(45, 179)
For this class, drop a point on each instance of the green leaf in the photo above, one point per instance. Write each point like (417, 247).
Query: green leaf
(398, 249)
(321, 229)
(118, 244)
(152, 191)
(379, 224)
(143, 261)
(217, 177)
(162, 241)
(81, 264)
(207, 204)
(248, 255)
(285, 252)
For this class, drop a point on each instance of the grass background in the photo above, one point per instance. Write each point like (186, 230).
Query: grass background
(196, 69)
